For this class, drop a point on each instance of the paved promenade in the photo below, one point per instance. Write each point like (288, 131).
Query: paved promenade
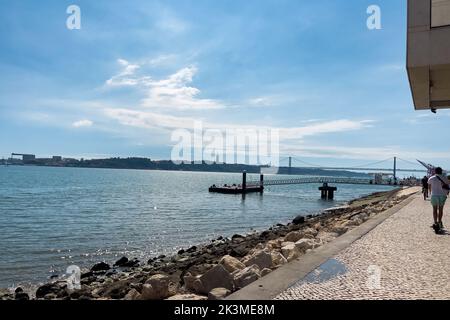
(402, 258)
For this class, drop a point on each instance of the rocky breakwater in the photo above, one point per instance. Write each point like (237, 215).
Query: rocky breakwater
(215, 270)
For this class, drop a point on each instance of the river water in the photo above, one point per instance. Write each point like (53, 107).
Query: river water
(51, 218)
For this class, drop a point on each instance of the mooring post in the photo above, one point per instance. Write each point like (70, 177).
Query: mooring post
(244, 181)
(261, 182)
(330, 194)
(327, 192)
(324, 191)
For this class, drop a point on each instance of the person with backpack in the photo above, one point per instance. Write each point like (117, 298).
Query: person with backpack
(425, 187)
(438, 185)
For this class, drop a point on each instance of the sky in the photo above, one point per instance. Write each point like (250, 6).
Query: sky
(138, 71)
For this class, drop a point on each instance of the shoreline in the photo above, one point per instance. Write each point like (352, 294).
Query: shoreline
(226, 263)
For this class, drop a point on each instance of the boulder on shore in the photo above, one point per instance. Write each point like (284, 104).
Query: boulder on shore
(261, 258)
(298, 220)
(231, 264)
(218, 294)
(133, 294)
(121, 262)
(217, 277)
(293, 236)
(290, 252)
(278, 259)
(49, 288)
(304, 244)
(101, 266)
(244, 277)
(156, 288)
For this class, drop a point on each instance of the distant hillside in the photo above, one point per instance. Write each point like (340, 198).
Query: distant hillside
(148, 164)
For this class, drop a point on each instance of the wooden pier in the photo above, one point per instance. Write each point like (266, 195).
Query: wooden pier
(327, 191)
(243, 188)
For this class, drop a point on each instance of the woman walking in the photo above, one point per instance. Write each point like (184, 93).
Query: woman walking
(439, 187)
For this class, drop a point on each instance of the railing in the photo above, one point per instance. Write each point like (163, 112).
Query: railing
(315, 180)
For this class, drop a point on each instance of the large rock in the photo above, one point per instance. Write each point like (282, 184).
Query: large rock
(115, 289)
(261, 258)
(355, 221)
(284, 244)
(189, 281)
(218, 294)
(290, 252)
(293, 236)
(298, 220)
(101, 266)
(156, 288)
(21, 295)
(274, 244)
(278, 259)
(49, 288)
(133, 294)
(364, 216)
(217, 277)
(121, 262)
(245, 277)
(231, 264)
(310, 232)
(304, 244)
(265, 272)
(287, 249)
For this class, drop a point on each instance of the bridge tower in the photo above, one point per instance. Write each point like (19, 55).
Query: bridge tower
(290, 165)
(395, 170)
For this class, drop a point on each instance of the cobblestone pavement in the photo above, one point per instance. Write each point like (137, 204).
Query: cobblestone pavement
(402, 258)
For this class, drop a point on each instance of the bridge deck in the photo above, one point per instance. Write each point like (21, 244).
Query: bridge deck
(334, 180)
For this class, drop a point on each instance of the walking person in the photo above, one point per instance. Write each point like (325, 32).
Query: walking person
(439, 187)
(425, 187)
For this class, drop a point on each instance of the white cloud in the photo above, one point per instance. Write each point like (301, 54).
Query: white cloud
(151, 120)
(324, 127)
(173, 92)
(82, 123)
(148, 120)
(126, 76)
(261, 102)
(344, 152)
(176, 93)
(161, 60)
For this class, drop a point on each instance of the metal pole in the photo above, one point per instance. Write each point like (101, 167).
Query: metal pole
(261, 182)
(244, 181)
(395, 169)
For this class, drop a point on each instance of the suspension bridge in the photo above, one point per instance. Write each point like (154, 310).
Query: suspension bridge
(367, 167)
(327, 191)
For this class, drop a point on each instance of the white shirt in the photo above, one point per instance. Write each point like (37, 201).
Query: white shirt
(436, 185)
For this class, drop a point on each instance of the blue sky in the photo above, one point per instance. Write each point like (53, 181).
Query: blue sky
(138, 70)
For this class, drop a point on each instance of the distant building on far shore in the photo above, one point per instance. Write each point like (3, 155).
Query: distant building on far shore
(428, 53)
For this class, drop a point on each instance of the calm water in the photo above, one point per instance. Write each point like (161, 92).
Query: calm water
(51, 218)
